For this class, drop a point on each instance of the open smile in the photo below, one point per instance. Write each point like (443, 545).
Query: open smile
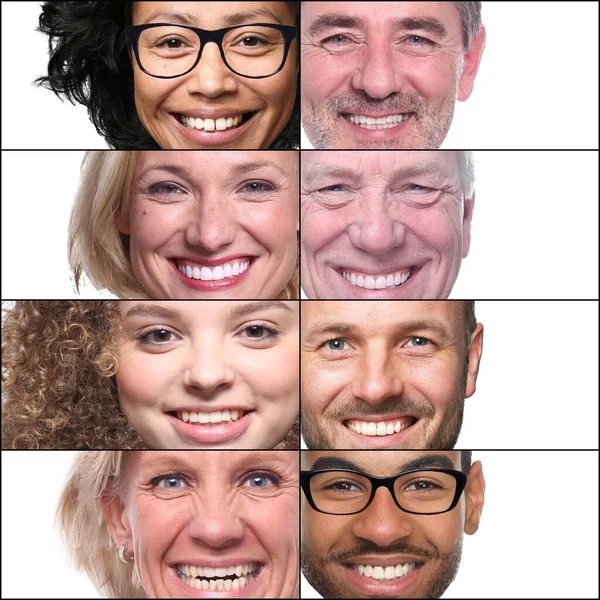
(376, 281)
(231, 578)
(380, 431)
(216, 276)
(214, 130)
(211, 427)
(217, 124)
(377, 122)
(390, 577)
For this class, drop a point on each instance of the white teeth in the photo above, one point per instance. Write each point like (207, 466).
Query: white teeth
(377, 123)
(198, 577)
(210, 124)
(214, 417)
(225, 271)
(391, 572)
(376, 282)
(379, 428)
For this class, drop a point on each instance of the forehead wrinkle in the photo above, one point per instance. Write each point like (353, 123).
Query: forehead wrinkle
(334, 20)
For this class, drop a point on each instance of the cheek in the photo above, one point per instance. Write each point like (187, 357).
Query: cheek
(438, 230)
(150, 226)
(314, 64)
(433, 78)
(437, 381)
(443, 533)
(320, 229)
(150, 92)
(322, 534)
(271, 374)
(322, 383)
(142, 378)
(274, 227)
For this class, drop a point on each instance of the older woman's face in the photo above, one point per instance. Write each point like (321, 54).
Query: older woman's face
(212, 524)
(213, 224)
(209, 374)
(211, 106)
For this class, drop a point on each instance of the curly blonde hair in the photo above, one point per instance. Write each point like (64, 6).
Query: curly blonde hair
(96, 247)
(59, 359)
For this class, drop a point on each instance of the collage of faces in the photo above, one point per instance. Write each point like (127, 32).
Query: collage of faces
(257, 367)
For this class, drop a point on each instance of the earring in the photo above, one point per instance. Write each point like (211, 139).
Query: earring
(122, 556)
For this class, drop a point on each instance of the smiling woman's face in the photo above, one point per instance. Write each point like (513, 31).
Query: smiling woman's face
(213, 224)
(211, 374)
(211, 106)
(210, 524)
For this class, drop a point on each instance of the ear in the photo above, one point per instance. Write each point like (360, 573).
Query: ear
(118, 524)
(122, 221)
(471, 65)
(469, 206)
(475, 495)
(474, 359)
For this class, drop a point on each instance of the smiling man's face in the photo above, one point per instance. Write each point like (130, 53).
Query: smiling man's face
(386, 374)
(383, 74)
(384, 552)
(383, 224)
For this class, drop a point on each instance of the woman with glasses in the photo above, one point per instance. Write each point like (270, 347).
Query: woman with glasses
(178, 75)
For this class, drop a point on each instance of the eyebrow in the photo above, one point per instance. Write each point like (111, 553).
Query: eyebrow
(428, 461)
(152, 310)
(186, 18)
(242, 310)
(334, 20)
(173, 169)
(430, 324)
(243, 168)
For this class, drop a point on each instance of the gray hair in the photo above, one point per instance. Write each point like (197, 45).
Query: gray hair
(467, 173)
(470, 16)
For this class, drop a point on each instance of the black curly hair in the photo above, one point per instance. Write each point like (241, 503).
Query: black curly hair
(89, 64)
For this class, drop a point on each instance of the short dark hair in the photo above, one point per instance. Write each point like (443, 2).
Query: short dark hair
(89, 64)
(466, 457)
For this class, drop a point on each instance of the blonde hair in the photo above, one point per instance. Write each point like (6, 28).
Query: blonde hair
(96, 477)
(96, 247)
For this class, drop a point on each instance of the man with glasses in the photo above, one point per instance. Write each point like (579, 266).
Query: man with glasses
(387, 523)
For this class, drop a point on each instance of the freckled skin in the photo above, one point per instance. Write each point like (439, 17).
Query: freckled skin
(380, 69)
(212, 85)
(214, 515)
(377, 225)
(206, 218)
(384, 530)
(378, 371)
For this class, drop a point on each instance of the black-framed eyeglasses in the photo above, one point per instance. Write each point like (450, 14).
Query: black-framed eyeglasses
(254, 50)
(348, 492)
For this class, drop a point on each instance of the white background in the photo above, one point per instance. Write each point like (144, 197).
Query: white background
(537, 85)
(535, 226)
(538, 536)
(538, 381)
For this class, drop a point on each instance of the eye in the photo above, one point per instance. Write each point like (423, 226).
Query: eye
(419, 342)
(336, 41)
(259, 332)
(337, 187)
(336, 344)
(165, 189)
(257, 187)
(419, 41)
(423, 486)
(169, 481)
(158, 336)
(415, 187)
(345, 486)
(261, 480)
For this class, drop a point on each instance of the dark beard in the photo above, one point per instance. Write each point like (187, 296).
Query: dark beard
(434, 588)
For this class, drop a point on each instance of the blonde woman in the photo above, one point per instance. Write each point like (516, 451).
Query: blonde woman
(150, 374)
(184, 524)
(178, 225)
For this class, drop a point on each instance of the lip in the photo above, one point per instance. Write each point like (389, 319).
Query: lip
(211, 286)
(246, 592)
(376, 135)
(392, 292)
(213, 138)
(211, 434)
(395, 588)
(376, 441)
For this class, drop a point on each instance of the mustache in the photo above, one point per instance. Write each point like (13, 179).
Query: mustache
(393, 405)
(370, 549)
(358, 101)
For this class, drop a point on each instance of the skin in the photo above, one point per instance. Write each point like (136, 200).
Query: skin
(378, 213)
(382, 532)
(176, 213)
(381, 66)
(218, 355)
(215, 513)
(376, 361)
(211, 85)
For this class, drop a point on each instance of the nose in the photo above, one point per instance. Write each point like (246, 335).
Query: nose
(377, 376)
(375, 231)
(208, 370)
(216, 520)
(212, 224)
(211, 77)
(377, 75)
(382, 523)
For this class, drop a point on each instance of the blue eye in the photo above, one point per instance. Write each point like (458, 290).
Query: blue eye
(262, 480)
(338, 187)
(257, 187)
(165, 189)
(336, 344)
(419, 342)
(171, 481)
